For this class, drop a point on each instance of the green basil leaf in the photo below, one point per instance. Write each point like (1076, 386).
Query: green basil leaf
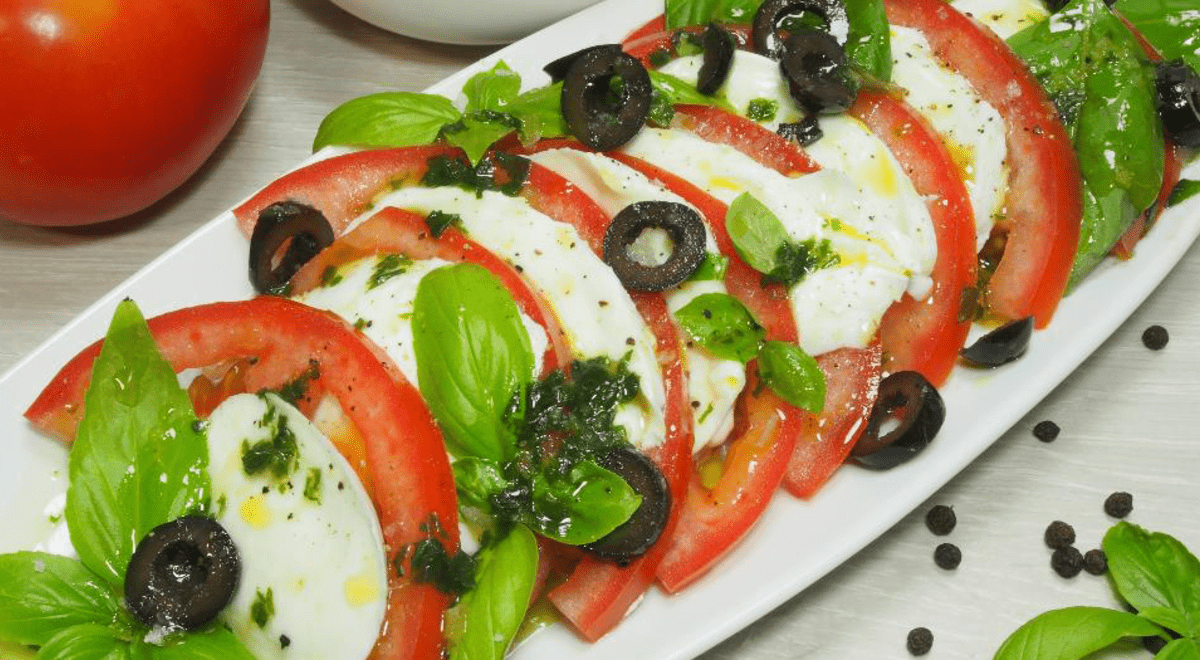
(138, 460)
(1184, 190)
(386, 119)
(484, 622)
(678, 91)
(1171, 26)
(681, 13)
(1093, 69)
(1072, 633)
(722, 325)
(88, 641)
(477, 480)
(868, 43)
(492, 89)
(582, 506)
(213, 643)
(1187, 648)
(792, 374)
(41, 594)
(712, 268)
(756, 232)
(10, 651)
(1155, 572)
(473, 357)
(540, 113)
(475, 133)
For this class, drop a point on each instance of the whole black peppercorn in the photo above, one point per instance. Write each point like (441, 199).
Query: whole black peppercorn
(1059, 535)
(920, 640)
(1095, 561)
(1119, 504)
(947, 556)
(1067, 561)
(1046, 431)
(1155, 337)
(941, 520)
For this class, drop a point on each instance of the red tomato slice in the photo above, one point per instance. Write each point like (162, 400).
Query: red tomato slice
(1044, 203)
(394, 230)
(926, 335)
(413, 481)
(745, 135)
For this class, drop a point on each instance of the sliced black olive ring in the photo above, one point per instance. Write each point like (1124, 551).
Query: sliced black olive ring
(557, 70)
(601, 114)
(1178, 89)
(818, 76)
(636, 535)
(681, 223)
(1000, 346)
(804, 132)
(303, 229)
(718, 59)
(907, 415)
(182, 574)
(764, 33)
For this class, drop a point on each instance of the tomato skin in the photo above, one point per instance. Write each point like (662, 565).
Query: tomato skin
(111, 104)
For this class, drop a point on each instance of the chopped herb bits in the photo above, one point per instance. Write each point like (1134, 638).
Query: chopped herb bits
(947, 556)
(920, 640)
(1118, 505)
(1155, 337)
(941, 520)
(1067, 561)
(1059, 535)
(1046, 431)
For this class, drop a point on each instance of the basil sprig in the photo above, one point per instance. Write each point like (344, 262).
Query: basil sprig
(485, 620)
(1171, 26)
(1151, 571)
(138, 461)
(764, 244)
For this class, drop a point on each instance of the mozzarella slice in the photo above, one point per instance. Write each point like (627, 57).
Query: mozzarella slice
(1004, 17)
(309, 542)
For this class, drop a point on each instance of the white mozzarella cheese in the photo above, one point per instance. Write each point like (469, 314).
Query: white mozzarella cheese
(1004, 17)
(310, 545)
(713, 383)
(751, 77)
(972, 130)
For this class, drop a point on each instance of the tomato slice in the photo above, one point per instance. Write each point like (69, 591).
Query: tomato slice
(395, 230)
(413, 483)
(1044, 203)
(745, 135)
(926, 335)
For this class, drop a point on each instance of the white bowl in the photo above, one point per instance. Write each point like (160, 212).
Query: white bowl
(474, 22)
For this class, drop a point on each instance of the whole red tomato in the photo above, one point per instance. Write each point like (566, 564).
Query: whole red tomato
(108, 105)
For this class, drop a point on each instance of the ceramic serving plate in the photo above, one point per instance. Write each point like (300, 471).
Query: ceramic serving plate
(795, 544)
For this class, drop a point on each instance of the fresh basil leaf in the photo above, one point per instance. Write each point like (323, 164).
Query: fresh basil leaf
(756, 232)
(1093, 68)
(540, 113)
(213, 643)
(1155, 572)
(485, 620)
(475, 133)
(41, 594)
(87, 641)
(868, 43)
(492, 89)
(1184, 190)
(794, 261)
(581, 506)
(477, 480)
(678, 91)
(1171, 26)
(681, 13)
(10, 651)
(722, 325)
(712, 268)
(138, 460)
(792, 374)
(1187, 648)
(386, 119)
(473, 357)
(1072, 633)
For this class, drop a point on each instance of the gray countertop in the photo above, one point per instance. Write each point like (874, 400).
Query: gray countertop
(1129, 416)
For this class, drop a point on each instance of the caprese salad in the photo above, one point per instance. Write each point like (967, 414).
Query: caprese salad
(536, 351)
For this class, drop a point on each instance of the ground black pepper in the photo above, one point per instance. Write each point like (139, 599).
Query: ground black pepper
(1046, 431)
(1095, 561)
(947, 556)
(1067, 561)
(1155, 337)
(920, 640)
(941, 520)
(1059, 535)
(1119, 504)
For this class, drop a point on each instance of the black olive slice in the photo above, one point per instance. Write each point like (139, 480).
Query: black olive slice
(1000, 346)
(906, 417)
(804, 132)
(600, 113)
(557, 70)
(764, 33)
(681, 223)
(1178, 89)
(636, 535)
(718, 60)
(302, 228)
(814, 65)
(182, 574)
